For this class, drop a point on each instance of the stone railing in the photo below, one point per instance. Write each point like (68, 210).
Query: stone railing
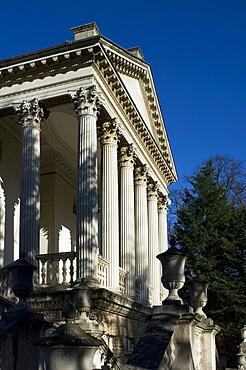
(103, 266)
(60, 268)
(56, 268)
(122, 280)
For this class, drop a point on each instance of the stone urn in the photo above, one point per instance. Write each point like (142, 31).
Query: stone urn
(22, 273)
(241, 360)
(243, 333)
(198, 294)
(173, 278)
(69, 346)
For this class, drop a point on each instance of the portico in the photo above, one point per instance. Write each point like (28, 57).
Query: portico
(100, 163)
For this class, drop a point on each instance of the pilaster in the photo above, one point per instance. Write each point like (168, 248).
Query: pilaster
(110, 210)
(87, 103)
(30, 117)
(127, 229)
(141, 232)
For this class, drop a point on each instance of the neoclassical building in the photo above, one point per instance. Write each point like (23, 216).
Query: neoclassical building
(85, 163)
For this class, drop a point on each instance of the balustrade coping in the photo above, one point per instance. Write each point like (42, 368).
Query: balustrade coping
(57, 255)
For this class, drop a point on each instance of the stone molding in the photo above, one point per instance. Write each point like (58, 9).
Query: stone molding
(87, 101)
(30, 114)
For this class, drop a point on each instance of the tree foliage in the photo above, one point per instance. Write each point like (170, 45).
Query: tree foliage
(211, 229)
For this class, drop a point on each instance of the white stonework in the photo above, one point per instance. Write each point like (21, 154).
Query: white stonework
(141, 232)
(154, 265)
(87, 102)
(127, 229)
(30, 116)
(110, 205)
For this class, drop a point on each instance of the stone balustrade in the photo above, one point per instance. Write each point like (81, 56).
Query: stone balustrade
(56, 268)
(60, 268)
(103, 267)
(122, 280)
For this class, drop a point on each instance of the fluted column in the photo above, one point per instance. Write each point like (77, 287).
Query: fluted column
(163, 203)
(162, 234)
(154, 276)
(30, 117)
(127, 229)
(87, 103)
(141, 232)
(110, 202)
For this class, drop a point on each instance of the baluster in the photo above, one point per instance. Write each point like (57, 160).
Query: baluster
(43, 272)
(56, 271)
(64, 270)
(49, 271)
(71, 270)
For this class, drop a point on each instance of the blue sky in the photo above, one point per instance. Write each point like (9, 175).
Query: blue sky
(196, 48)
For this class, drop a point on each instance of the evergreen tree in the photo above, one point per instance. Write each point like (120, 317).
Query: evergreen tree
(212, 233)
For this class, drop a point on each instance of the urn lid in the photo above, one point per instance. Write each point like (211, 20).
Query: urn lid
(172, 251)
(21, 262)
(69, 334)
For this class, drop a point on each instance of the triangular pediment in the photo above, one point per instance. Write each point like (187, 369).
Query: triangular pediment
(139, 97)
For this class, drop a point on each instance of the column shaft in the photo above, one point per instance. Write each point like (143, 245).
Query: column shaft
(162, 235)
(141, 232)
(154, 275)
(110, 207)
(87, 103)
(127, 229)
(30, 118)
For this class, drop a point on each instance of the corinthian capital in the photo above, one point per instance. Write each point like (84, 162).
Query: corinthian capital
(141, 175)
(30, 113)
(163, 203)
(152, 190)
(127, 156)
(110, 132)
(87, 101)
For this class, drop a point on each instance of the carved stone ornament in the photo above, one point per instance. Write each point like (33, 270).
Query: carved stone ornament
(110, 132)
(163, 203)
(87, 101)
(30, 113)
(152, 190)
(141, 175)
(127, 156)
